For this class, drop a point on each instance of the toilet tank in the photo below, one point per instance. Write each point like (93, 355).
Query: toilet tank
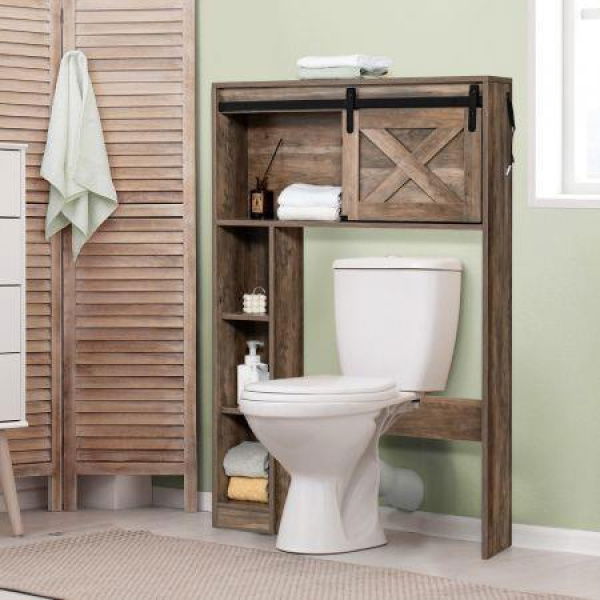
(397, 317)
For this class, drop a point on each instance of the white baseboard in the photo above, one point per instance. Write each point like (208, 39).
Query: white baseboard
(32, 492)
(536, 537)
(434, 524)
(115, 492)
(552, 539)
(173, 498)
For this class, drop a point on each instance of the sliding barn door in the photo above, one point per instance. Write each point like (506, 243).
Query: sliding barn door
(29, 56)
(129, 315)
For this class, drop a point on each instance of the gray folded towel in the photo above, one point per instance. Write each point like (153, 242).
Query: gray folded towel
(248, 459)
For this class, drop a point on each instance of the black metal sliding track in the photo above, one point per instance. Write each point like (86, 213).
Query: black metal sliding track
(353, 102)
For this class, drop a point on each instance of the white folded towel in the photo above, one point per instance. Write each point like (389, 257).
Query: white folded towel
(361, 61)
(307, 195)
(248, 459)
(308, 213)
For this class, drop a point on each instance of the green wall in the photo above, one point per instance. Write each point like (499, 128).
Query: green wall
(556, 252)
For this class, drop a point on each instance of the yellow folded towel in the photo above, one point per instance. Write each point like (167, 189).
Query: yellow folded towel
(249, 489)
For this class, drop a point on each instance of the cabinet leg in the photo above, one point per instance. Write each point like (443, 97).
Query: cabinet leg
(7, 481)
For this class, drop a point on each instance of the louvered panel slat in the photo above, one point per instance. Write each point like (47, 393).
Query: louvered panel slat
(29, 55)
(138, 443)
(129, 456)
(130, 330)
(129, 27)
(25, 62)
(24, 25)
(129, 16)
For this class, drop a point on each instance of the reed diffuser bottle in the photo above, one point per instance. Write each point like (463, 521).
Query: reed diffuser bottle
(261, 199)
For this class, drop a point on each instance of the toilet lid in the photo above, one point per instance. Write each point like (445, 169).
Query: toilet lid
(316, 387)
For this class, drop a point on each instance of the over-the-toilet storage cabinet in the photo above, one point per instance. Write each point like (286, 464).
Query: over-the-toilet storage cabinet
(12, 286)
(430, 153)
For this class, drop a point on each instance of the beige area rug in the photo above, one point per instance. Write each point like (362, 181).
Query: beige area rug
(137, 565)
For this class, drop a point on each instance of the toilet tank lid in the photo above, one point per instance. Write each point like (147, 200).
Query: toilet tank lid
(425, 263)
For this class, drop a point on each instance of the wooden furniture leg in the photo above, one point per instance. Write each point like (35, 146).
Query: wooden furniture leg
(7, 482)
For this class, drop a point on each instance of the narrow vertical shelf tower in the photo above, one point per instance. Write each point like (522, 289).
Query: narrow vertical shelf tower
(418, 153)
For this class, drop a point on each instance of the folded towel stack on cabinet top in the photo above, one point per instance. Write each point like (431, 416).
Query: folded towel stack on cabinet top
(247, 466)
(340, 67)
(306, 202)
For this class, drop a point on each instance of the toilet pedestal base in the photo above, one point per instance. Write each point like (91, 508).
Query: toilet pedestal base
(317, 501)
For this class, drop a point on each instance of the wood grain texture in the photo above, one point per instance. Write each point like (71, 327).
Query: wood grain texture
(311, 151)
(413, 165)
(286, 262)
(31, 52)
(130, 335)
(497, 325)
(441, 418)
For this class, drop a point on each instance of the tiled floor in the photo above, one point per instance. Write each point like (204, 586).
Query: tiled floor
(528, 570)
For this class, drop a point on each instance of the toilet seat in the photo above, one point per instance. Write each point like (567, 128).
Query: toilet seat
(336, 386)
(321, 396)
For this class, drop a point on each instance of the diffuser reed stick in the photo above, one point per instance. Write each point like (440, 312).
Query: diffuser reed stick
(260, 204)
(261, 183)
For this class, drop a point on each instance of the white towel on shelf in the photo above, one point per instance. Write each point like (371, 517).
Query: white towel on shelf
(248, 459)
(308, 213)
(75, 162)
(339, 73)
(362, 61)
(305, 195)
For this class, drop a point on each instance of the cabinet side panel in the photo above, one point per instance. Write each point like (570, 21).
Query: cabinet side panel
(497, 324)
(288, 331)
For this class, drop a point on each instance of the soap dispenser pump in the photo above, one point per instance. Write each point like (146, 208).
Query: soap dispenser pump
(252, 370)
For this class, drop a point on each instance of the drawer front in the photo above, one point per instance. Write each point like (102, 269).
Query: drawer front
(10, 319)
(11, 251)
(407, 164)
(10, 183)
(10, 391)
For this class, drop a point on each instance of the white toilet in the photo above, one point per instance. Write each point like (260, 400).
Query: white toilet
(396, 321)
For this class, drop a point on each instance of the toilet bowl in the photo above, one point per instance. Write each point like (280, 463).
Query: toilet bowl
(396, 321)
(324, 430)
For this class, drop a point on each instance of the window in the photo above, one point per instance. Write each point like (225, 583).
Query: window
(566, 103)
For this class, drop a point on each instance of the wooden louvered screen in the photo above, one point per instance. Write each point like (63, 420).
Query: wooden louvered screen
(129, 328)
(29, 57)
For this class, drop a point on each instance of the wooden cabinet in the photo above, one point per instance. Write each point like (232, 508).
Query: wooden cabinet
(409, 153)
(411, 164)
(12, 286)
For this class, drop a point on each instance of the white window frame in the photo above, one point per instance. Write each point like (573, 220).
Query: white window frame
(547, 98)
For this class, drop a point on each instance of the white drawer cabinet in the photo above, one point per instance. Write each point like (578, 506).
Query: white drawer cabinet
(10, 183)
(11, 378)
(10, 318)
(11, 253)
(12, 286)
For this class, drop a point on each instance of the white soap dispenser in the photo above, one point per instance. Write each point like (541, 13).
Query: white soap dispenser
(252, 370)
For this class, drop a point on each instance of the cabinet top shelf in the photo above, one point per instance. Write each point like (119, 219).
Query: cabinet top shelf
(360, 82)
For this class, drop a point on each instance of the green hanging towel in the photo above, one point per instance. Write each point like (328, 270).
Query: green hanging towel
(75, 162)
